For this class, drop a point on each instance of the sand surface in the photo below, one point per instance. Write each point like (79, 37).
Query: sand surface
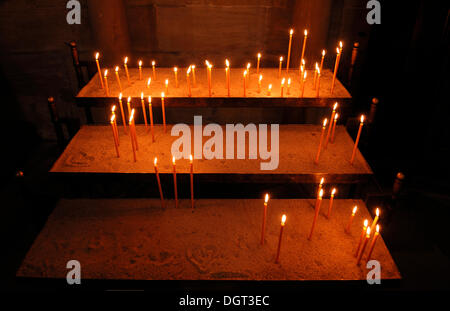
(137, 239)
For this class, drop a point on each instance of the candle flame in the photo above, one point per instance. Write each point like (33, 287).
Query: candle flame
(325, 122)
(245, 73)
(318, 71)
(336, 116)
(368, 232)
(321, 193)
(266, 198)
(333, 191)
(323, 52)
(162, 94)
(248, 66)
(354, 210)
(190, 158)
(282, 81)
(281, 58)
(306, 32)
(149, 81)
(283, 220)
(120, 96)
(97, 55)
(340, 44)
(142, 95)
(175, 69)
(167, 82)
(259, 55)
(140, 63)
(362, 118)
(377, 212)
(173, 160)
(149, 99)
(153, 63)
(193, 67)
(188, 71)
(316, 66)
(270, 87)
(304, 75)
(125, 61)
(338, 51)
(260, 78)
(117, 69)
(321, 181)
(289, 81)
(366, 223)
(377, 228)
(207, 63)
(155, 161)
(106, 73)
(335, 106)
(129, 99)
(291, 31)
(227, 63)
(112, 118)
(132, 113)
(113, 108)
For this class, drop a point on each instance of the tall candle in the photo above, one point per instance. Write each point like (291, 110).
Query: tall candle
(269, 89)
(375, 220)
(227, 75)
(358, 259)
(279, 68)
(97, 55)
(123, 114)
(155, 164)
(257, 64)
(175, 70)
(316, 161)
(194, 83)
(304, 44)
(283, 222)
(318, 83)
(163, 111)
(130, 122)
(140, 70)
(289, 86)
(259, 83)
(321, 61)
(154, 70)
(116, 132)
(116, 144)
(322, 180)
(266, 200)
(303, 83)
(248, 74)
(289, 50)
(357, 140)
(333, 192)
(125, 61)
(175, 181)
(208, 70)
(129, 105)
(347, 229)
(245, 82)
(118, 78)
(336, 116)
(150, 110)
(316, 68)
(149, 81)
(133, 129)
(282, 87)
(143, 110)
(365, 227)
(316, 214)
(333, 113)
(192, 180)
(106, 82)
(336, 65)
(188, 81)
(372, 243)
(167, 86)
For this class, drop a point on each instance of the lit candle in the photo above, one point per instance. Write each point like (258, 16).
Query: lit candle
(248, 74)
(377, 216)
(245, 79)
(364, 246)
(97, 55)
(333, 192)
(129, 105)
(374, 239)
(336, 65)
(118, 78)
(257, 64)
(123, 114)
(143, 110)
(279, 68)
(192, 180)
(133, 129)
(125, 61)
(116, 132)
(357, 140)
(302, 67)
(163, 111)
(289, 50)
(227, 74)
(303, 83)
(155, 164)
(149, 81)
(304, 44)
(188, 81)
(154, 70)
(194, 83)
(322, 180)
(140, 70)
(316, 161)
(266, 200)
(175, 70)
(150, 110)
(321, 61)
(175, 181)
(208, 69)
(289, 86)
(347, 229)
(318, 83)
(106, 82)
(167, 86)
(336, 116)
(116, 144)
(282, 86)
(316, 68)
(259, 83)
(333, 113)
(283, 222)
(317, 209)
(130, 122)
(269, 89)
(365, 227)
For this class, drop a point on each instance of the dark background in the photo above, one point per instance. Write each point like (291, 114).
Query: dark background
(404, 62)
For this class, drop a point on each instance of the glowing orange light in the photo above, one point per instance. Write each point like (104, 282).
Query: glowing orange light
(335, 106)
(190, 158)
(125, 61)
(283, 220)
(153, 63)
(323, 52)
(112, 118)
(336, 116)
(266, 198)
(362, 118)
(333, 191)
(282, 81)
(291, 32)
(140, 63)
(173, 160)
(325, 122)
(354, 210)
(281, 58)
(120, 96)
(155, 161)
(117, 69)
(227, 63)
(97, 55)
(321, 193)
(306, 32)
(106, 73)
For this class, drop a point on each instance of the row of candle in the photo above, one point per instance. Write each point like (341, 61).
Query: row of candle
(246, 73)
(323, 141)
